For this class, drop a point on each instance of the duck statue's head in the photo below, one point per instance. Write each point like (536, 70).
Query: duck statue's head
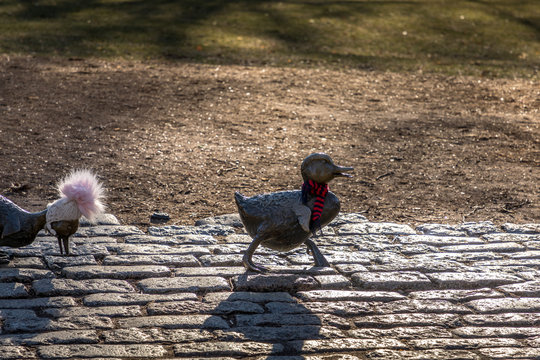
(320, 168)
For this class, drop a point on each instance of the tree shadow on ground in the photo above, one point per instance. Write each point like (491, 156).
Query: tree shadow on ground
(374, 34)
(271, 323)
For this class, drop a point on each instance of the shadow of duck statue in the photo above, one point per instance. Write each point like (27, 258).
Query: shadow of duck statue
(287, 219)
(80, 194)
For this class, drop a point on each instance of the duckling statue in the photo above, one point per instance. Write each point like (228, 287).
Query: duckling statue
(80, 193)
(285, 220)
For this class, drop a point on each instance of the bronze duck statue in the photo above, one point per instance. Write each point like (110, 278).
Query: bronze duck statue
(81, 194)
(285, 220)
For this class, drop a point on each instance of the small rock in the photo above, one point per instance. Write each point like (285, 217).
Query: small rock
(158, 217)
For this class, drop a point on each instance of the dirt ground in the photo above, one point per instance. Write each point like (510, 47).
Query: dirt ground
(181, 138)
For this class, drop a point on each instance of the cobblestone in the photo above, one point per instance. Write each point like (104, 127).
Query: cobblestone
(440, 291)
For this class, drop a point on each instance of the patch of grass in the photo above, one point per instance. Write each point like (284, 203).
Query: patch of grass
(489, 37)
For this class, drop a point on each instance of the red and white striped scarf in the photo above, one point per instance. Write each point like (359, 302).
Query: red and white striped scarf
(319, 190)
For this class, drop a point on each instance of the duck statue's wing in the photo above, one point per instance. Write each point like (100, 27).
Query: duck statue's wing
(304, 214)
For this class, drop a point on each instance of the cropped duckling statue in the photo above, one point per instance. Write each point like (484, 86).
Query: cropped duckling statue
(285, 220)
(80, 194)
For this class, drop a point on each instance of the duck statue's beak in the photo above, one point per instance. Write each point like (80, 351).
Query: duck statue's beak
(341, 171)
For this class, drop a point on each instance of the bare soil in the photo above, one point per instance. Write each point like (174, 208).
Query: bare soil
(181, 138)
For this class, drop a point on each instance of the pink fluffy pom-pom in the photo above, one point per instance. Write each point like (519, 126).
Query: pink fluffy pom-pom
(83, 187)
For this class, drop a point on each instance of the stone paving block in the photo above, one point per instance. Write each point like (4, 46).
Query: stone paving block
(349, 269)
(97, 250)
(286, 333)
(532, 245)
(238, 239)
(272, 282)
(335, 345)
(506, 319)
(108, 230)
(418, 306)
(223, 220)
(192, 321)
(23, 275)
(52, 287)
(101, 350)
(460, 257)
(59, 262)
(154, 335)
(496, 332)
(236, 260)
(349, 295)
(35, 324)
(333, 281)
(109, 311)
(415, 319)
(167, 260)
(415, 249)
(218, 348)
(502, 264)
(223, 271)
(103, 240)
(342, 308)
(527, 255)
(197, 307)
(269, 319)
(526, 289)
(26, 262)
(255, 297)
(184, 284)
(391, 281)
(505, 305)
(505, 247)
(300, 269)
(419, 332)
(534, 342)
(17, 352)
(479, 228)
(441, 230)
(464, 280)
(155, 249)
(12, 290)
(287, 308)
(60, 301)
(52, 337)
(115, 272)
(456, 294)
(468, 344)
(357, 257)
(172, 230)
(371, 242)
(39, 247)
(171, 240)
(350, 218)
(422, 266)
(432, 354)
(506, 237)
(434, 240)
(383, 228)
(522, 228)
(117, 299)
(505, 353)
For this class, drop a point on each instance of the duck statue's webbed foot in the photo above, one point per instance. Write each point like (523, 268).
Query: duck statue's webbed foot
(320, 260)
(248, 255)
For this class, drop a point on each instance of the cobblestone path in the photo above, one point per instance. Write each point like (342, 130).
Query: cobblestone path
(470, 291)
